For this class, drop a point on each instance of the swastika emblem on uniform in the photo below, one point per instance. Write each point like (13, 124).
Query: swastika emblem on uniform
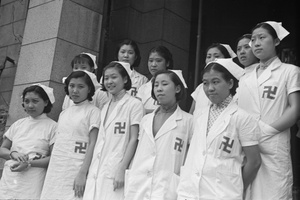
(120, 128)
(178, 144)
(80, 147)
(269, 92)
(133, 91)
(226, 144)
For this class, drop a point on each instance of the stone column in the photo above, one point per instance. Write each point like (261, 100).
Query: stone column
(55, 31)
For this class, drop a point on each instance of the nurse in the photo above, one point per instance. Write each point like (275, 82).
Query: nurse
(160, 58)
(75, 140)
(245, 54)
(87, 62)
(163, 140)
(118, 136)
(128, 51)
(271, 93)
(27, 145)
(224, 136)
(214, 51)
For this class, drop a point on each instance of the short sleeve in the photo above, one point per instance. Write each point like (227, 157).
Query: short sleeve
(11, 131)
(137, 112)
(293, 79)
(248, 129)
(94, 118)
(52, 134)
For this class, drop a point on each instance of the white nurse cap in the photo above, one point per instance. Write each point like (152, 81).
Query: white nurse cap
(126, 66)
(180, 76)
(48, 90)
(92, 57)
(93, 77)
(229, 49)
(231, 66)
(280, 31)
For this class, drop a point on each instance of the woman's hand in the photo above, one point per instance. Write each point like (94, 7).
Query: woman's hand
(119, 178)
(19, 156)
(79, 184)
(19, 166)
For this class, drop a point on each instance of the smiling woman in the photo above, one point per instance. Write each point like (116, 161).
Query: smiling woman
(115, 147)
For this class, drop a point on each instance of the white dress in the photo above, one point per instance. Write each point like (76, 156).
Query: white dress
(71, 143)
(28, 135)
(109, 150)
(137, 80)
(156, 165)
(144, 94)
(213, 167)
(266, 98)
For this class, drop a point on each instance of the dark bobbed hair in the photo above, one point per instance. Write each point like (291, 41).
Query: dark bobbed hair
(220, 47)
(165, 53)
(135, 48)
(121, 70)
(269, 29)
(41, 93)
(175, 79)
(82, 58)
(225, 74)
(87, 80)
(247, 36)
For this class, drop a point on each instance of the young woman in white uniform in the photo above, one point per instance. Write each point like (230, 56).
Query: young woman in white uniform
(74, 143)
(87, 61)
(214, 51)
(118, 134)
(160, 58)
(163, 140)
(128, 51)
(271, 94)
(224, 136)
(27, 145)
(245, 54)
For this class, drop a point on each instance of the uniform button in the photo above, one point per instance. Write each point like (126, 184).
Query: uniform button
(198, 174)
(203, 153)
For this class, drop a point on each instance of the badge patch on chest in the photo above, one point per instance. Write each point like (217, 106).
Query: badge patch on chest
(133, 91)
(120, 128)
(269, 92)
(178, 144)
(226, 144)
(80, 147)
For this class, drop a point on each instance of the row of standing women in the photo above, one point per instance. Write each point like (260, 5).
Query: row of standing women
(234, 146)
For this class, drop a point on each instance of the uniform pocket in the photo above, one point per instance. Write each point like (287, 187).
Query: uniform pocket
(266, 139)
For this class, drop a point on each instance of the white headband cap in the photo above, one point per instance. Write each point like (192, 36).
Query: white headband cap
(230, 51)
(280, 31)
(180, 76)
(126, 66)
(93, 77)
(231, 66)
(48, 90)
(93, 58)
